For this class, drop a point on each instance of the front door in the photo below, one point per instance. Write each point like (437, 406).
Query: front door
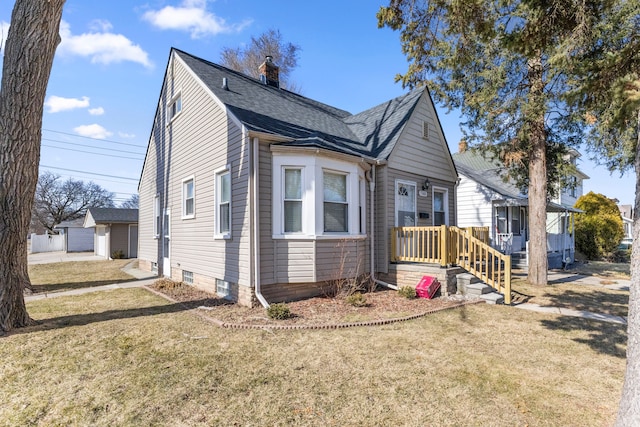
(405, 204)
(166, 244)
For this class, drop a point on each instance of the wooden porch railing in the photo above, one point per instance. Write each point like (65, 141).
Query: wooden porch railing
(466, 247)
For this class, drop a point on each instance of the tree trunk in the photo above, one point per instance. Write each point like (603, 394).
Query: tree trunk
(629, 410)
(28, 57)
(538, 262)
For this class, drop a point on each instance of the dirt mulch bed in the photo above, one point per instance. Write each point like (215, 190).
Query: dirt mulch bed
(383, 306)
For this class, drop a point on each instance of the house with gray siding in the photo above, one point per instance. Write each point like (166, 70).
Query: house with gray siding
(115, 231)
(263, 195)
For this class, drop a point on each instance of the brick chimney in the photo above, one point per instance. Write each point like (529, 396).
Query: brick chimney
(462, 146)
(269, 72)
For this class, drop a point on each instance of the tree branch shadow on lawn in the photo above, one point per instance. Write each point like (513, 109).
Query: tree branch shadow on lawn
(104, 316)
(614, 304)
(67, 286)
(604, 337)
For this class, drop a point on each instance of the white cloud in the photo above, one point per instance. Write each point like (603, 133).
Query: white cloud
(126, 135)
(55, 104)
(192, 16)
(4, 30)
(93, 131)
(100, 25)
(96, 111)
(102, 47)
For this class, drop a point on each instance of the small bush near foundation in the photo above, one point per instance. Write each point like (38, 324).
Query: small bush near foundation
(279, 311)
(407, 292)
(356, 300)
(161, 284)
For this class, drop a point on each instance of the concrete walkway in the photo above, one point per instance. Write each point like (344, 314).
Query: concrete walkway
(563, 277)
(61, 256)
(144, 278)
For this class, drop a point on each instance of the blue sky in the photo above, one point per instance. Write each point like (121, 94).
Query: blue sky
(108, 71)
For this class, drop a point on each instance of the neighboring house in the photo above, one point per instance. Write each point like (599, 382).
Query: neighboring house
(626, 211)
(115, 231)
(76, 237)
(255, 192)
(485, 199)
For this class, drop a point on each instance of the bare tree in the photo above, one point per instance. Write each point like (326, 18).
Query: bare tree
(28, 57)
(247, 60)
(130, 203)
(57, 200)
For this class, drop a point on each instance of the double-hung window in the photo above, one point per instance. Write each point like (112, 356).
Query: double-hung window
(223, 203)
(292, 200)
(188, 198)
(336, 205)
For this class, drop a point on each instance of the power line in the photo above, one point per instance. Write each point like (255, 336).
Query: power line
(88, 137)
(93, 146)
(90, 152)
(89, 173)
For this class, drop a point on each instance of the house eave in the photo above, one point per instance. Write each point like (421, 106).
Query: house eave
(314, 151)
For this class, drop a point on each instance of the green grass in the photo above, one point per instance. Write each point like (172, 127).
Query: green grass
(129, 358)
(64, 276)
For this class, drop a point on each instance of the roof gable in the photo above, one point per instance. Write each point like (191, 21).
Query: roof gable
(306, 122)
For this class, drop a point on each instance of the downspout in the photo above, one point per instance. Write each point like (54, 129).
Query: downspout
(372, 189)
(255, 163)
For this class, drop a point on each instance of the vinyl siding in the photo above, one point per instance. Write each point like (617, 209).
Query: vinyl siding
(338, 259)
(427, 157)
(199, 141)
(474, 204)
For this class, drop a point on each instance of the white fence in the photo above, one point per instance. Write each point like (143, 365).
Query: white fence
(47, 243)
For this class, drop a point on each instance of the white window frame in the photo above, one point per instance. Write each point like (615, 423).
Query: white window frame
(218, 192)
(284, 199)
(313, 167)
(156, 216)
(445, 201)
(185, 181)
(347, 202)
(176, 100)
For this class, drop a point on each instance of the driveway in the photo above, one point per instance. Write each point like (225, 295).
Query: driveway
(50, 257)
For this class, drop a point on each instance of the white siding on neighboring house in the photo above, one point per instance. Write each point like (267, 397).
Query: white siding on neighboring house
(475, 207)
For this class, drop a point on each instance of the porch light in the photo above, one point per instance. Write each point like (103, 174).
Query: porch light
(425, 185)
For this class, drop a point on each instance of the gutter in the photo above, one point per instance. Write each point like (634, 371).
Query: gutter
(255, 165)
(372, 189)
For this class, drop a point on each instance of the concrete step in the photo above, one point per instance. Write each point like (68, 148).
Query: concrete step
(493, 298)
(478, 289)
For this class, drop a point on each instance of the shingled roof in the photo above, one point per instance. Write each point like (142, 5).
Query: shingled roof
(372, 133)
(113, 215)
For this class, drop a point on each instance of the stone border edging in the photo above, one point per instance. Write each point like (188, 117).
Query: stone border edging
(378, 322)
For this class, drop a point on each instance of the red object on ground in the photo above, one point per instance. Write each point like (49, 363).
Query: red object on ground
(427, 287)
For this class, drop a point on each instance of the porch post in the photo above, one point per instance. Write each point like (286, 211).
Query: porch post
(444, 246)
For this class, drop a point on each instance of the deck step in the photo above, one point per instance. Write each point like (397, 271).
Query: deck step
(478, 289)
(493, 298)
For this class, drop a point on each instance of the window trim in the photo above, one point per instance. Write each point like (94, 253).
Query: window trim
(218, 186)
(397, 203)
(313, 166)
(156, 216)
(445, 201)
(284, 198)
(186, 180)
(347, 202)
(171, 116)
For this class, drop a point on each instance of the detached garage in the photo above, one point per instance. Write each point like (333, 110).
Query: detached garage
(115, 231)
(76, 237)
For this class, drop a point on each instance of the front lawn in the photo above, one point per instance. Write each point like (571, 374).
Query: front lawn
(127, 357)
(64, 276)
